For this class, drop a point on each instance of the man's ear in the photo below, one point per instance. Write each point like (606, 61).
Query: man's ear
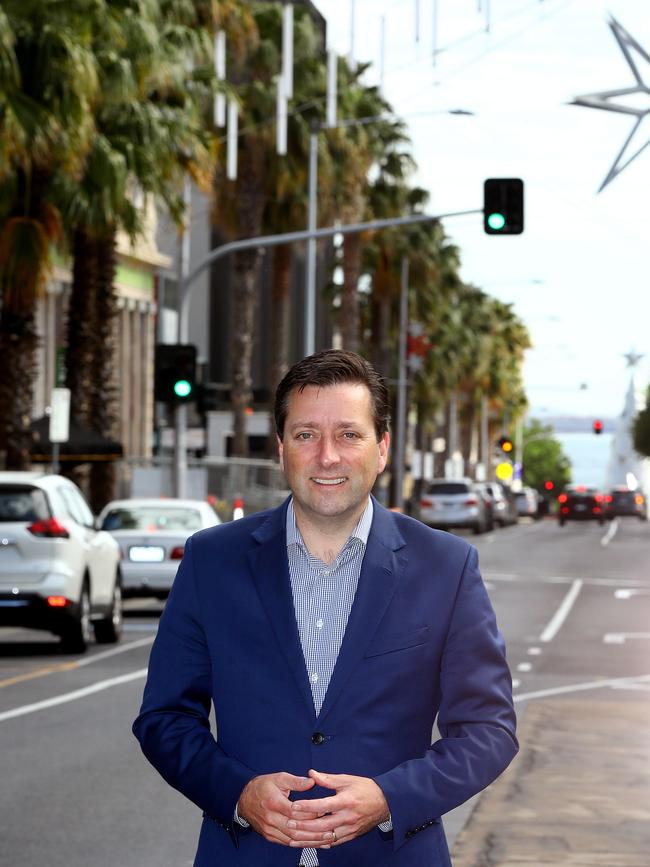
(384, 444)
(280, 451)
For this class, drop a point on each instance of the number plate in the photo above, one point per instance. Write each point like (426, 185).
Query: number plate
(146, 554)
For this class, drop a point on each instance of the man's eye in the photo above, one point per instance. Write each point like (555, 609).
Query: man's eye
(350, 435)
(304, 435)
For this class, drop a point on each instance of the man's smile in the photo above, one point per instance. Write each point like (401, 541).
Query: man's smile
(337, 481)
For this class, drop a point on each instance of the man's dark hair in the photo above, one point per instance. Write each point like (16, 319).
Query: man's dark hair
(334, 367)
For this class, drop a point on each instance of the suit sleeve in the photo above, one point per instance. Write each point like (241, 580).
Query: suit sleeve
(476, 718)
(173, 726)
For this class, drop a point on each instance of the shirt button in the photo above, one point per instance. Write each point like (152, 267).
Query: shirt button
(317, 738)
(314, 677)
(319, 623)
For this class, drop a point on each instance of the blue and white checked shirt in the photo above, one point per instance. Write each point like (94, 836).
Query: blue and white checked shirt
(322, 599)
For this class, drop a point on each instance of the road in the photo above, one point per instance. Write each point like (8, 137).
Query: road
(573, 604)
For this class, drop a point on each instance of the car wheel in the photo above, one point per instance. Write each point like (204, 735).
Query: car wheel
(108, 630)
(76, 637)
(477, 529)
(562, 522)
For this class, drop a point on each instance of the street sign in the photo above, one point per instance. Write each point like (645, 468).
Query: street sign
(60, 415)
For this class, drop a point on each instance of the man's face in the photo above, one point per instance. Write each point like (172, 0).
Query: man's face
(330, 454)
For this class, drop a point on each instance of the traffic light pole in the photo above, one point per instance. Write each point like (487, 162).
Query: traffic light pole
(180, 410)
(186, 282)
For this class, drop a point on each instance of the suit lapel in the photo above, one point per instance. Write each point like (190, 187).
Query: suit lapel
(380, 574)
(270, 570)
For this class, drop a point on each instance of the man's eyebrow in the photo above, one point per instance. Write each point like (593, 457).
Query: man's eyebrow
(339, 424)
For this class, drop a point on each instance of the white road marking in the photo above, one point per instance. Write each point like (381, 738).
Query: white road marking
(611, 532)
(88, 660)
(616, 683)
(72, 696)
(565, 579)
(516, 683)
(534, 651)
(622, 637)
(562, 613)
(524, 666)
(628, 592)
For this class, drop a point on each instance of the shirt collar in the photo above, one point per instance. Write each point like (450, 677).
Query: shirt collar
(361, 530)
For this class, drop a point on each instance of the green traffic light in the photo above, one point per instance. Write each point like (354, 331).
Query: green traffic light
(496, 221)
(182, 388)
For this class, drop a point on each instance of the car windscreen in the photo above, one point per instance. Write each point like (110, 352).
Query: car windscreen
(152, 519)
(21, 503)
(448, 488)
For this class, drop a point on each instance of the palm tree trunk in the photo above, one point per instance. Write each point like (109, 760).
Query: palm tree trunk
(18, 344)
(102, 414)
(80, 326)
(280, 295)
(243, 336)
(349, 292)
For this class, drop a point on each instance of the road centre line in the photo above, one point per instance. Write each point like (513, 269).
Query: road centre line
(611, 532)
(73, 696)
(77, 663)
(615, 683)
(642, 586)
(555, 623)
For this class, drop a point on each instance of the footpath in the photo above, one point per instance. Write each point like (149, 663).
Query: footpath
(577, 795)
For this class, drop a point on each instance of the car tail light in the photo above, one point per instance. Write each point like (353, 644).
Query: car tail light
(57, 601)
(638, 500)
(471, 501)
(50, 528)
(426, 504)
(596, 510)
(598, 498)
(177, 553)
(562, 498)
(608, 498)
(565, 510)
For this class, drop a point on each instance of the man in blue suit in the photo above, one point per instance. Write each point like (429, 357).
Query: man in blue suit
(329, 634)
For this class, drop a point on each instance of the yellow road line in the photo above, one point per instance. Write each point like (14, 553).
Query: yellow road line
(39, 672)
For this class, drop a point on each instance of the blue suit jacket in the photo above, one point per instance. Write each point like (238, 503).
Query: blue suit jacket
(421, 642)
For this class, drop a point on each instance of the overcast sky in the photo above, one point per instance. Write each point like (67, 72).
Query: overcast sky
(578, 276)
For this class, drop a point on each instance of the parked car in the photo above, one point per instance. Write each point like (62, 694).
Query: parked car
(581, 503)
(152, 533)
(527, 500)
(622, 501)
(454, 503)
(57, 572)
(504, 506)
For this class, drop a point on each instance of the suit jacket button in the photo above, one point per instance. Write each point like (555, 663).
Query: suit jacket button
(317, 738)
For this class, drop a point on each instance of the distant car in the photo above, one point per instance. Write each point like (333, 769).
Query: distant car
(57, 572)
(152, 533)
(504, 505)
(581, 503)
(527, 500)
(623, 501)
(446, 504)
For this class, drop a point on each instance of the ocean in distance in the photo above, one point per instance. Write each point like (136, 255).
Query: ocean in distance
(589, 456)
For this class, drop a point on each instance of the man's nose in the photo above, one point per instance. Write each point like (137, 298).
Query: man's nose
(328, 454)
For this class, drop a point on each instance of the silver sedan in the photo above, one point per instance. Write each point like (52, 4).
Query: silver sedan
(152, 534)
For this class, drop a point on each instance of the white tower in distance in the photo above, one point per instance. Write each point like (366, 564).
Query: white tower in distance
(626, 466)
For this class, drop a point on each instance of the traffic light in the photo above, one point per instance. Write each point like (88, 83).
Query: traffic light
(505, 444)
(598, 426)
(549, 485)
(175, 373)
(503, 206)
(208, 397)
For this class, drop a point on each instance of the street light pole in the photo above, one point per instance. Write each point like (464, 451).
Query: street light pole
(310, 293)
(180, 411)
(399, 454)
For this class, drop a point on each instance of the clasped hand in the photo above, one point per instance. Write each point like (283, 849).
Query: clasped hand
(358, 805)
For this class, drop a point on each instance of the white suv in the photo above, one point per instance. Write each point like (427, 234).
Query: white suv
(57, 572)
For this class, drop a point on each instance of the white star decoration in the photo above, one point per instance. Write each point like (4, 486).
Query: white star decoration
(633, 358)
(606, 100)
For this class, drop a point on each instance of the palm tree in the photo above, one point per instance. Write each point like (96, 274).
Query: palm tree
(48, 83)
(148, 132)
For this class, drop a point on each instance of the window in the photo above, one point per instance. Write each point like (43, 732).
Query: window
(19, 503)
